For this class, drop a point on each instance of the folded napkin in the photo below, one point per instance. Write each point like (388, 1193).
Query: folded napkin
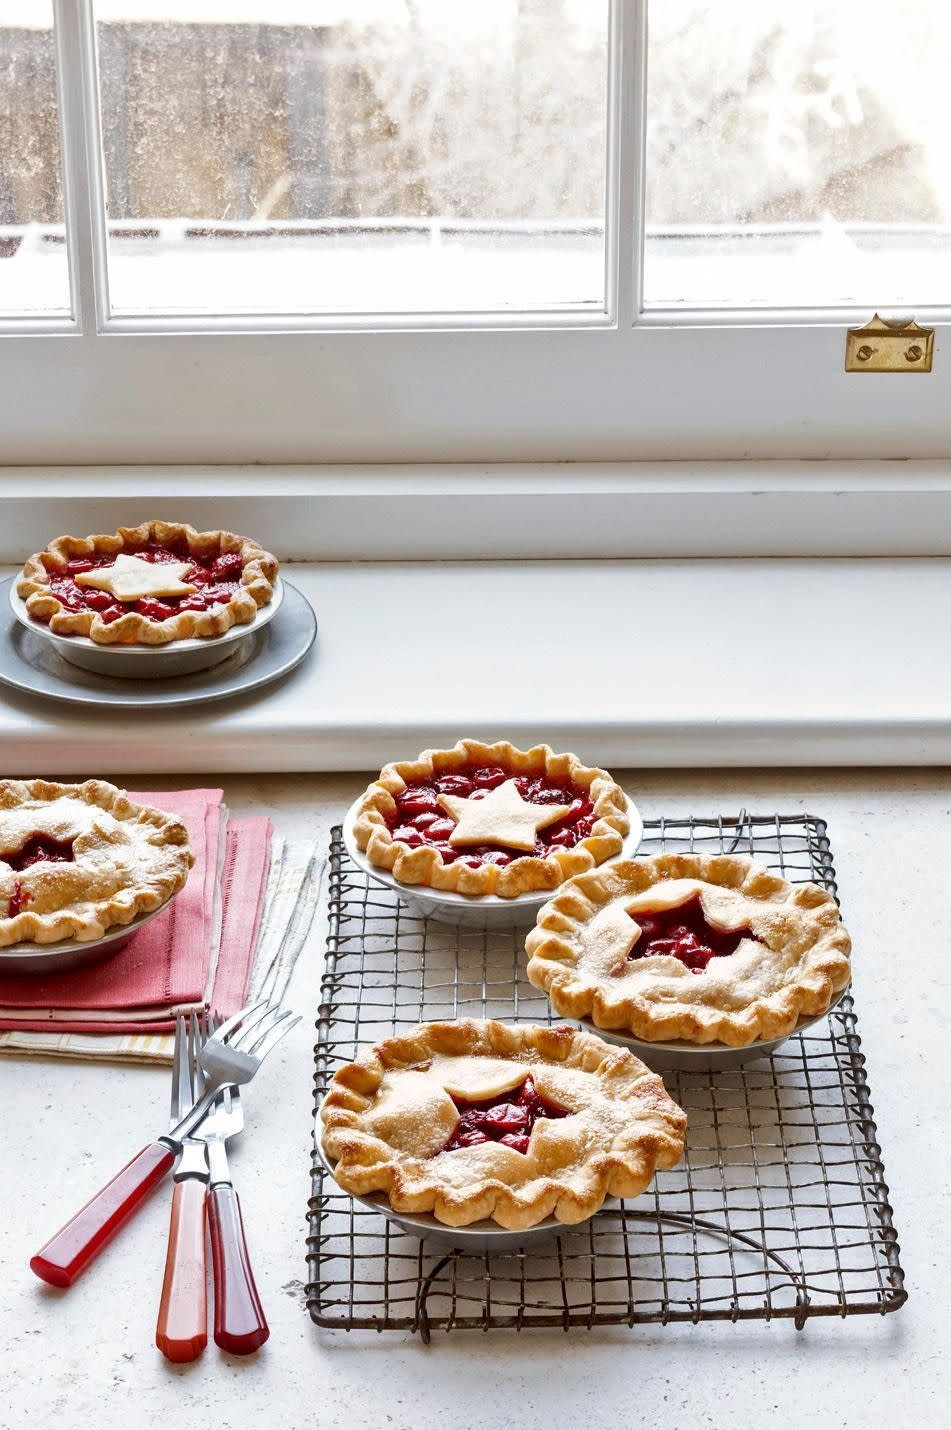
(199, 951)
(293, 879)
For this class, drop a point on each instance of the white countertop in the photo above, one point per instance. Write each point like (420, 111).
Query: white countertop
(85, 1358)
(666, 664)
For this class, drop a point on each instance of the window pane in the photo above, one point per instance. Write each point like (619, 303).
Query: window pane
(34, 278)
(799, 152)
(354, 155)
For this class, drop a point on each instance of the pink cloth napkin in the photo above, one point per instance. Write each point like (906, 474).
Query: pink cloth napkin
(167, 965)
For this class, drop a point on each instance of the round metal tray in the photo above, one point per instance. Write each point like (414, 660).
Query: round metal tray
(477, 1238)
(483, 911)
(71, 953)
(146, 662)
(702, 1057)
(29, 663)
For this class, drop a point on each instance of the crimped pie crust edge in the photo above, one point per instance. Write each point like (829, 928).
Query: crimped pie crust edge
(556, 964)
(257, 588)
(526, 873)
(652, 1139)
(166, 836)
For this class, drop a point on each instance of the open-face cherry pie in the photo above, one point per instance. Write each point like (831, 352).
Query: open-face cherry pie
(473, 1120)
(491, 819)
(76, 860)
(703, 948)
(150, 584)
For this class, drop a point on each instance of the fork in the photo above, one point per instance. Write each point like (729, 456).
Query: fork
(230, 1058)
(240, 1326)
(181, 1333)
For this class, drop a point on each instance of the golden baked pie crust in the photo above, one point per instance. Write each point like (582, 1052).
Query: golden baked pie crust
(128, 859)
(525, 873)
(256, 590)
(387, 1117)
(796, 963)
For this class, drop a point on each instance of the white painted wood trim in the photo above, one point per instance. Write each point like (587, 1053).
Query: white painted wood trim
(633, 664)
(537, 511)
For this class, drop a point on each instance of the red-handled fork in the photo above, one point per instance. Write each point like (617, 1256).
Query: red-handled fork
(240, 1326)
(229, 1059)
(181, 1333)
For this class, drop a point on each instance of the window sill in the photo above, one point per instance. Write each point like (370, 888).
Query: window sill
(649, 663)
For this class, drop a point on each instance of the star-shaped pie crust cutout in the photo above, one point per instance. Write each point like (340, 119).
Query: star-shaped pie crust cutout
(500, 817)
(130, 578)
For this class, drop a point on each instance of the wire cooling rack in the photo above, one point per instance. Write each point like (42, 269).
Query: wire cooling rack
(779, 1207)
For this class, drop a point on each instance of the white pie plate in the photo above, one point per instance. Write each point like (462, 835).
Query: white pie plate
(484, 911)
(477, 1238)
(147, 662)
(71, 952)
(680, 1056)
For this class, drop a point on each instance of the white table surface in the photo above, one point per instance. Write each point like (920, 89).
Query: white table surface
(85, 1358)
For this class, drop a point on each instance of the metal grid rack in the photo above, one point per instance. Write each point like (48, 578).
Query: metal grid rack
(779, 1207)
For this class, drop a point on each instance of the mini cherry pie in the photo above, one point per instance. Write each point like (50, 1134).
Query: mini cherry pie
(491, 819)
(150, 584)
(703, 948)
(76, 860)
(473, 1120)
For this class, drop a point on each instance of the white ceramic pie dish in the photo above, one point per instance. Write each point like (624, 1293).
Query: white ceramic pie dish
(478, 1238)
(679, 1056)
(147, 662)
(484, 911)
(72, 953)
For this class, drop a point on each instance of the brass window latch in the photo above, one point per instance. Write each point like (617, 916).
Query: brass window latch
(883, 346)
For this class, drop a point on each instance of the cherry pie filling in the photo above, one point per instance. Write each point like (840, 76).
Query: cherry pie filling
(38, 849)
(217, 578)
(684, 933)
(419, 819)
(507, 1119)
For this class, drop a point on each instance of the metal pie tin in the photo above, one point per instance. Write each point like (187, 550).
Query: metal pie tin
(483, 911)
(680, 1056)
(71, 953)
(147, 662)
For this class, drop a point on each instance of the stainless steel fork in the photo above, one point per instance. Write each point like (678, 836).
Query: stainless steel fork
(181, 1332)
(240, 1325)
(230, 1058)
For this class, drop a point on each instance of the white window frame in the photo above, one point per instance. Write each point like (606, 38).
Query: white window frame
(624, 385)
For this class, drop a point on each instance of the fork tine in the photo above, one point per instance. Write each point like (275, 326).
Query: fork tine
(244, 1038)
(253, 1026)
(271, 1039)
(181, 1079)
(195, 1041)
(225, 1029)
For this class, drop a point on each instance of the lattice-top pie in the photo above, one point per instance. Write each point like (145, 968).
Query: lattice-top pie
(75, 860)
(151, 584)
(706, 948)
(491, 819)
(473, 1120)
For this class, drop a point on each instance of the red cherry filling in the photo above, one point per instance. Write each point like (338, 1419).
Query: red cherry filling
(419, 818)
(18, 900)
(684, 933)
(216, 577)
(39, 848)
(507, 1119)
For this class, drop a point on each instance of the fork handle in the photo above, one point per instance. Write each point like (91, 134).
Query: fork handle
(182, 1330)
(66, 1255)
(240, 1326)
